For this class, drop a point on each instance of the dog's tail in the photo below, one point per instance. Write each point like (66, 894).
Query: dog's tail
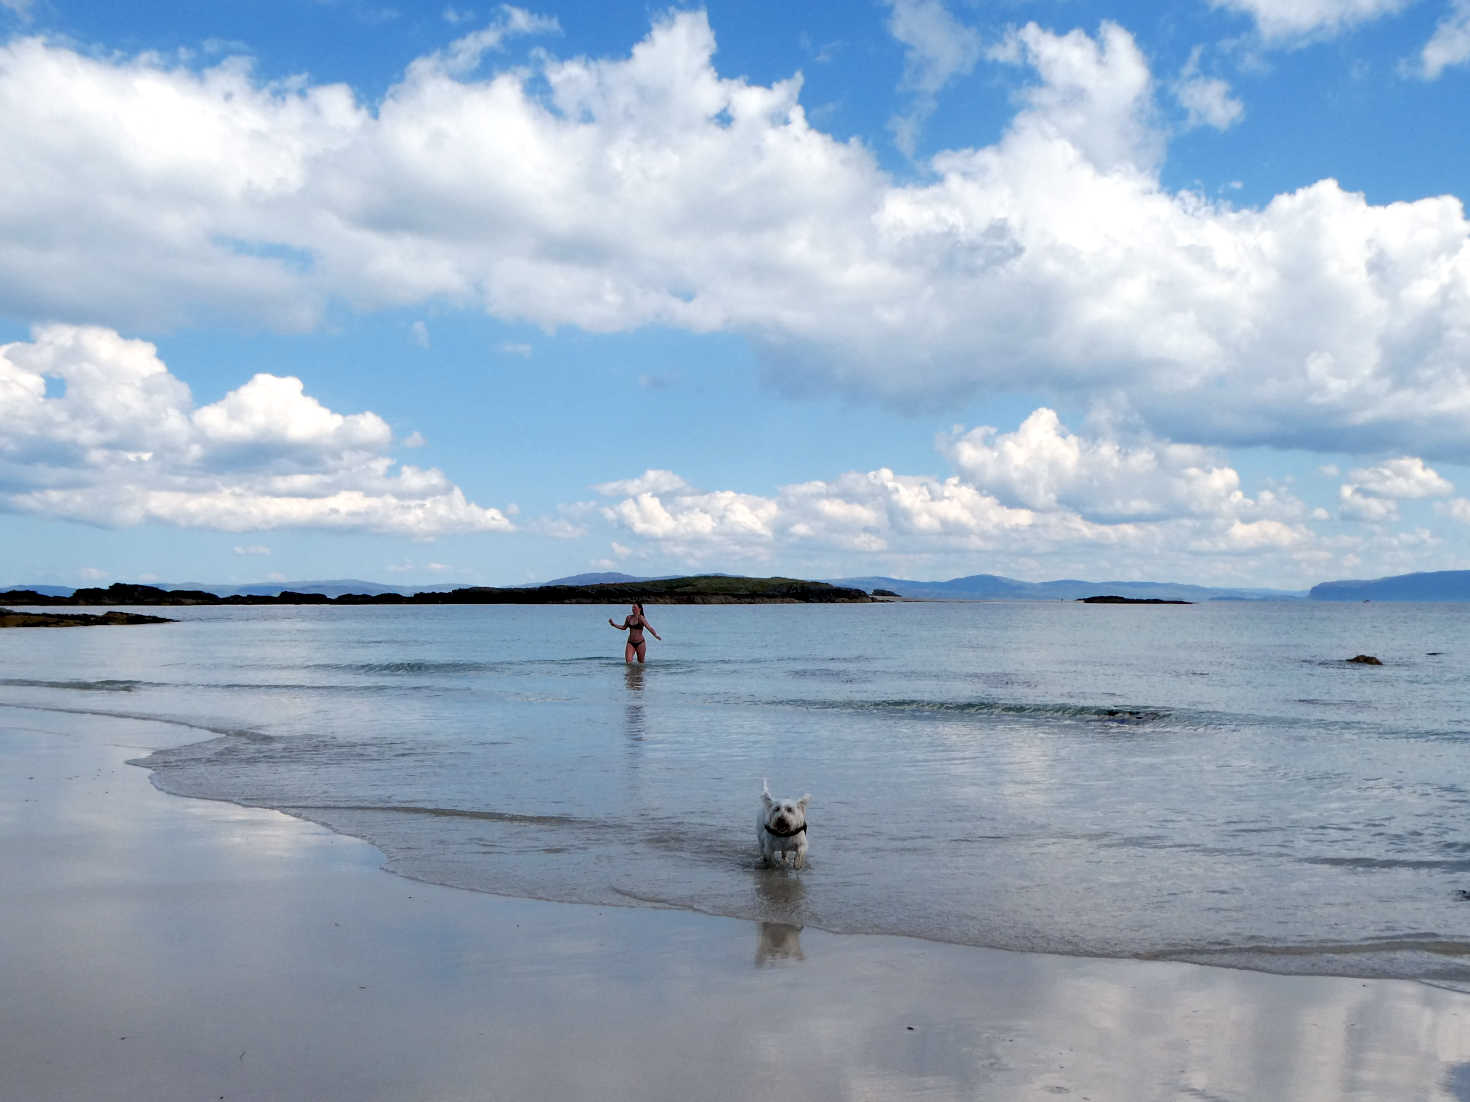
(765, 787)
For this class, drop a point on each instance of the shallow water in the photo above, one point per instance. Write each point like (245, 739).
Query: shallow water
(1206, 782)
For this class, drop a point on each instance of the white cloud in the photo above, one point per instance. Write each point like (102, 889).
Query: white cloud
(1354, 504)
(1405, 477)
(650, 481)
(1450, 43)
(1373, 493)
(1457, 509)
(937, 48)
(252, 549)
(649, 190)
(1044, 466)
(465, 54)
(1206, 100)
(1095, 95)
(420, 334)
(92, 574)
(414, 439)
(1038, 492)
(1292, 21)
(124, 444)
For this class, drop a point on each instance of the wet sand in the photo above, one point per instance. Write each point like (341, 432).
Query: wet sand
(163, 948)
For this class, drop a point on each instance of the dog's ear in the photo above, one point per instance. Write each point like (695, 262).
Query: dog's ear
(801, 803)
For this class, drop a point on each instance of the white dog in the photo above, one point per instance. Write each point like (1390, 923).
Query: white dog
(781, 829)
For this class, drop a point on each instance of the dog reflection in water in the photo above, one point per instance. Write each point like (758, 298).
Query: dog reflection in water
(779, 898)
(778, 941)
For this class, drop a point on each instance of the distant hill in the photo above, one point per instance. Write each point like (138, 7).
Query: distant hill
(608, 577)
(1439, 585)
(46, 590)
(994, 587)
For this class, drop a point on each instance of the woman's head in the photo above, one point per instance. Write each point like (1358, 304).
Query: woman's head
(638, 607)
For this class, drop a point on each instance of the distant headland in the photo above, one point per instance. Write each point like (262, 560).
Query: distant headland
(696, 590)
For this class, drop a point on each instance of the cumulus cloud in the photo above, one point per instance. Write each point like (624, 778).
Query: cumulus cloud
(1044, 466)
(123, 443)
(1354, 504)
(611, 194)
(650, 481)
(1373, 493)
(1292, 21)
(1405, 477)
(1450, 43)
(1040, 491)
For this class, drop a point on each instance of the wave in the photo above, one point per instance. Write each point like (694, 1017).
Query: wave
(103, 686)
(409, 666)
(248, 734)
(306, 811)
(985, 707)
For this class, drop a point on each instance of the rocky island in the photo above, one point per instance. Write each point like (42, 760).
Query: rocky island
(1112, 600)
(9, 618)
(697, 590)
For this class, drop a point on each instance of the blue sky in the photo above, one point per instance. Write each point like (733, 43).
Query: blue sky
(428, 293)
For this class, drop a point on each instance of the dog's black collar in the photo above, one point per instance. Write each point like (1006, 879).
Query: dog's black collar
(788, 834)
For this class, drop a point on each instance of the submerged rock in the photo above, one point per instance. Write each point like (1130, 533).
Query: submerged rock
(1365, 660)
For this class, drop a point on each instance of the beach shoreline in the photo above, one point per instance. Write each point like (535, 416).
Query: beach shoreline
(165, 947)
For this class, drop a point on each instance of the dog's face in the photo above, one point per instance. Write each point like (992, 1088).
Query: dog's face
(785, 816)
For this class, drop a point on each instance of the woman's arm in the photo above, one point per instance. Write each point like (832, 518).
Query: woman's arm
(656, 635)
(620, 627)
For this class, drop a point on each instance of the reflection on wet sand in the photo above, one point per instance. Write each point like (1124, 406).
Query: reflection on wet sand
(780, 896)
(778, 941)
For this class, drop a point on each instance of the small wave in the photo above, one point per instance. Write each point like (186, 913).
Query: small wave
(143, 717)
(963, 708)
(1442, 864)
(408, 666)
(307, 810)
(1309, 957)
(103, 686)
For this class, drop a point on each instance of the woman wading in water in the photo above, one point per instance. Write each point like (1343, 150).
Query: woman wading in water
(633, 624)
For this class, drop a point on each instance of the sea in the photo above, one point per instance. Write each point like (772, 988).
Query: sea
(1211, 782)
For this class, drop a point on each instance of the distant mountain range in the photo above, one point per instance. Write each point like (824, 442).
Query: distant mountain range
(1440, 585)
(1443, 585)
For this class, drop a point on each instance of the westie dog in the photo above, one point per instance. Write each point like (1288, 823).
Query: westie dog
(781, 829)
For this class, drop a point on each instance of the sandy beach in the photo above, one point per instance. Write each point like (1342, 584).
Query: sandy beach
(165, 948)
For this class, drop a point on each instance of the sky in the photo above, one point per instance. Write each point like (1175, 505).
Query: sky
(436, 294)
